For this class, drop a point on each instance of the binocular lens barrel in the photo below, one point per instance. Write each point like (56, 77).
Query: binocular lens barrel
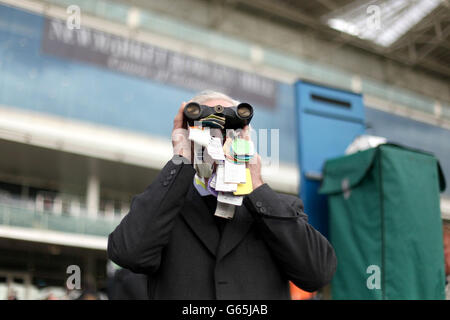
(192, 110)
(235, 116)
(244, 110)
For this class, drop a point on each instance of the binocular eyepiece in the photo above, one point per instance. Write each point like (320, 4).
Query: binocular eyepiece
(236, 117)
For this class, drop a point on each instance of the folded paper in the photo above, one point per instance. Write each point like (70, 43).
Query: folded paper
(225, 210)
(247, 187)
(228, 197)
(234, 172)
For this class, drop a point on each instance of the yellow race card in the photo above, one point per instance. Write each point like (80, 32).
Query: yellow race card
(247, 187)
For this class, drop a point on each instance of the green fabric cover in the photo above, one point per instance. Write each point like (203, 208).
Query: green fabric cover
(384, 210)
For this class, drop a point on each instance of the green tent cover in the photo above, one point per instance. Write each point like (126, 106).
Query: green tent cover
(385, 224)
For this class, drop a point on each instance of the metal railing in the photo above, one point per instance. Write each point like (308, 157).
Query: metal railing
(25, 216)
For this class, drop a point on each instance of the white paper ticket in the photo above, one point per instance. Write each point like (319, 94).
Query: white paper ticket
(212, 182)
(200, 136)
(225, 210)
(215, 149)
(220, 184)
(229, 198)
(234, 172)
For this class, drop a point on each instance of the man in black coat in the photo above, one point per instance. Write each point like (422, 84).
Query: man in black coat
(172, 235)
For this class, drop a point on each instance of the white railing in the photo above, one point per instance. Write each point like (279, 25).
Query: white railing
(27, 213)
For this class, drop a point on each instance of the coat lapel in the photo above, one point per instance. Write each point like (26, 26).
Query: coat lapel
(201, 221)
(234, 231)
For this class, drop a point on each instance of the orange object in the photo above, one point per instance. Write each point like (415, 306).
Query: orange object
(299, 294)
(447, 249)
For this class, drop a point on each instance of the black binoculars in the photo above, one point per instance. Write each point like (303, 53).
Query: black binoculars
(235, 117)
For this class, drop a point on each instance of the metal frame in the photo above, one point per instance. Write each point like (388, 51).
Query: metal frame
(405, 50)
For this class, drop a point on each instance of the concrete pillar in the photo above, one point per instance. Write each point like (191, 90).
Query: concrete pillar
(93, 192)
(27, 283)
(89, 272)
(25, 191)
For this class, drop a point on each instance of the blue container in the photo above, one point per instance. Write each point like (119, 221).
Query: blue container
(328, 121)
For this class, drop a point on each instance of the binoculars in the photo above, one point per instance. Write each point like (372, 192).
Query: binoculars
(235, 117)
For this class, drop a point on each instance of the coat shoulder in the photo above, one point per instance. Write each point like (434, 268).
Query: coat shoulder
(290, 199)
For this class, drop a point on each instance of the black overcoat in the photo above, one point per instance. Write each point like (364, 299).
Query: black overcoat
(170, 235)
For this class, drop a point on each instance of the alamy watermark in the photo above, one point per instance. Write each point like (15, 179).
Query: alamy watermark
(73, 21)
(374, 280)
(73, 281)
(260, 138)
(373, 21)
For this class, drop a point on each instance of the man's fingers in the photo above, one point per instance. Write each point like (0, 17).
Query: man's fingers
(255, 160)
(178, 121)
(245, 133)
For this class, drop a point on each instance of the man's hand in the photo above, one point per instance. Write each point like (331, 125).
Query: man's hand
(180, 142)
(255, 163)
(255, 170)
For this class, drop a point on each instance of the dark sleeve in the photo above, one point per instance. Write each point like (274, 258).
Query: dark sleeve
(137, 242)
(305, 256)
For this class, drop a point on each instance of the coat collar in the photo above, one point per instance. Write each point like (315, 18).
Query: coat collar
(197, 216)
(201, 221)
(234, 231)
